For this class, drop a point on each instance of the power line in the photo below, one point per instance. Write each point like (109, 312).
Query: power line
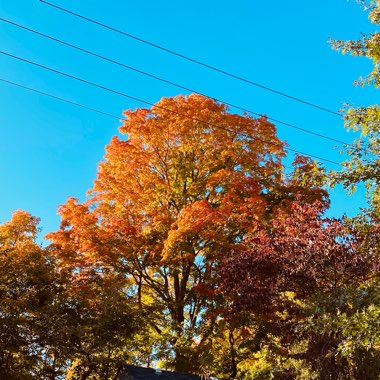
(76, 103)
(214, 68)
(81, 105)
(166, 81)
(150, 103)
(62, 99)
(154, 105)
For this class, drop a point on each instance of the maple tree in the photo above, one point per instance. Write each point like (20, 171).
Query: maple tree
(300, 252)
(169, 200)
(303, 270)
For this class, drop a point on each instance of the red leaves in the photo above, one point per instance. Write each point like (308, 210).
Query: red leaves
(299, 253)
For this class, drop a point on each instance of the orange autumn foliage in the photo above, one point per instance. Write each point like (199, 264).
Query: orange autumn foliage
(184, 186)
(194, 170)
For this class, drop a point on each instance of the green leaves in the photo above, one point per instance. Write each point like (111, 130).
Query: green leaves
(363, 164)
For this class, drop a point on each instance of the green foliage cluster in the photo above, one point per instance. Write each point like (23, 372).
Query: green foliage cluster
(363, 164)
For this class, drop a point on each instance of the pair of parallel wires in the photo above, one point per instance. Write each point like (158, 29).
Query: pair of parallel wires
(157, 78)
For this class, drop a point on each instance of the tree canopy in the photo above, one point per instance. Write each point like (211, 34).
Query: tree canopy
(170, 200)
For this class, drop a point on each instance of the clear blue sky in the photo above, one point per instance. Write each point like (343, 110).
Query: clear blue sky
(50, 150)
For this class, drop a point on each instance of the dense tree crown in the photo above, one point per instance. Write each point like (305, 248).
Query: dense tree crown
(169, 201)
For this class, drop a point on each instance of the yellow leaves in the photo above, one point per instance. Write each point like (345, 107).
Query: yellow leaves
(22, 227)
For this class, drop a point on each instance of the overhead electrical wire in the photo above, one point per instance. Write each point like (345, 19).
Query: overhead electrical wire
(62, 99)
(154, 105)
(214, 68)
(167, 81)
(88, 108)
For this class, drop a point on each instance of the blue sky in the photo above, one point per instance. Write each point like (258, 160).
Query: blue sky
(49, 150)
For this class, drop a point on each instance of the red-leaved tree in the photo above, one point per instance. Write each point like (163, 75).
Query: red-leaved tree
(299, 252)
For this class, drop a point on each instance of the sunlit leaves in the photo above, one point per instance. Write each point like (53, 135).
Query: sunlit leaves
(185, 185)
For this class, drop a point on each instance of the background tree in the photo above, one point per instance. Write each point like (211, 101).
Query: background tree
(51, 319)
(363, 164)
(295, 277)
(27, 286)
